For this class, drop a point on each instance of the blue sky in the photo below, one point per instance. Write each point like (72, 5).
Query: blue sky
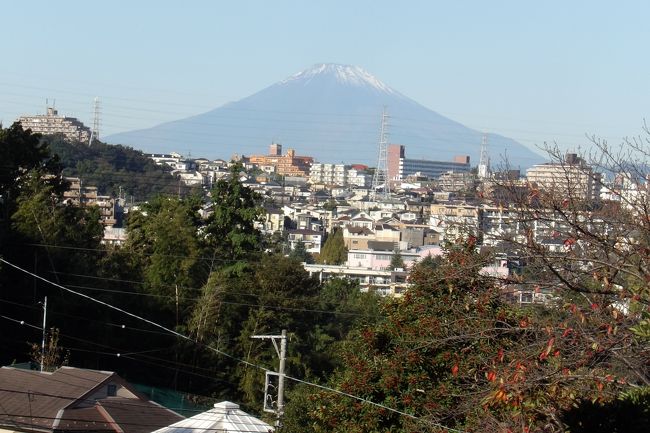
(533, 71)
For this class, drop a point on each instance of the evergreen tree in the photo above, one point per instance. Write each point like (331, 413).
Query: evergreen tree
(231, 234)
(300, 253)
(334, 251)
(396, 261)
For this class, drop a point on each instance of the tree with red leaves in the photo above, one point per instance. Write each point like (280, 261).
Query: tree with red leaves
(452, 355)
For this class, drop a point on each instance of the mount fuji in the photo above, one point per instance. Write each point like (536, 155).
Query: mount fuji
(331, 112)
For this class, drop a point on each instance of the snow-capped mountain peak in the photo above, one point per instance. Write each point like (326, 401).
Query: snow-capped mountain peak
(344, 74)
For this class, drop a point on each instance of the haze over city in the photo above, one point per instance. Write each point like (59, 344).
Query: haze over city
(535, 73)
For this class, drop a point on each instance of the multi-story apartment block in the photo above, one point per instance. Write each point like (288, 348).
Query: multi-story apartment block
(338, 174)
(452, 220)
(399, 167)
(330, 174)
(83, 195)
(358, 178)
(570, 178)
(51, 123)
(285, 165)
(457, 181)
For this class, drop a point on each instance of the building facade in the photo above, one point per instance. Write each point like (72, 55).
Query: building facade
(338, 174)
(571, 178)
(399, 167)
(285, 165)
(51, 123)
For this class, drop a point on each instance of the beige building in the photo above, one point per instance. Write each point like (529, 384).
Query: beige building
(570, 178)
(80, 194)
(51, 123)
(285, 165)
(452, 220)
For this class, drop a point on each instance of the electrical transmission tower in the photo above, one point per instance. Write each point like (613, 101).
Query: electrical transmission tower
(380, 178)
(94, 134)
(484, 162)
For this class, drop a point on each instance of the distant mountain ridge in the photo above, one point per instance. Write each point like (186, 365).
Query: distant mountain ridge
(331, 112)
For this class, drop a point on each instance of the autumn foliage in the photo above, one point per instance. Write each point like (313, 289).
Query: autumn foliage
(452, 355)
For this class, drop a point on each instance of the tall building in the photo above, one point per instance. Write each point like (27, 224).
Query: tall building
(399, 167)
(569, 178)
(51, 123)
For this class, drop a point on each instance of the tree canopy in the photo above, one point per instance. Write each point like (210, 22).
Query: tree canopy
(334, 251)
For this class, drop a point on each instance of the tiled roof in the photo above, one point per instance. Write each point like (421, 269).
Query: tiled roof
(137, 416)
(70, 399)
(359, 230)
(25, 393)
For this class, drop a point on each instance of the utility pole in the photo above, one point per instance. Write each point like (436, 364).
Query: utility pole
(43, 341)
(282, 354)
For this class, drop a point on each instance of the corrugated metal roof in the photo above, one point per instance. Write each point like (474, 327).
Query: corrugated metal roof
(225, 417)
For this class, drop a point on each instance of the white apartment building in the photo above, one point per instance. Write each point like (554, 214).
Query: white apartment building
(51, 123)
(337, 174)
(358, 178)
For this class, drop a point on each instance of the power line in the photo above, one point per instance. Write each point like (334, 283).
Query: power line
(168, 103)
(242, 361)
(290, 119)
(118, 353)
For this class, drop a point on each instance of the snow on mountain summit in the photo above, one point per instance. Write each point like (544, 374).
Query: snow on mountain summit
(344, 74)
(330, 112)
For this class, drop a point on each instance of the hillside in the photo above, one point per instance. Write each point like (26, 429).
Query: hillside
(110, 167)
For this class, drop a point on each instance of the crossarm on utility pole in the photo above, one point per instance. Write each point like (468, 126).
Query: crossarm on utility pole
(282, 354)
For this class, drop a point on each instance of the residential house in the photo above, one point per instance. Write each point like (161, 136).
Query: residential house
(357, 238)
(310, 238)
(75, 400)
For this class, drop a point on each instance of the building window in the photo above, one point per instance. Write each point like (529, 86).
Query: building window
(111, 391)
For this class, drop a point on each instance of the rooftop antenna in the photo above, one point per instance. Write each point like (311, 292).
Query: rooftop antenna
(94, 134)
(484, 161)
(380, 178)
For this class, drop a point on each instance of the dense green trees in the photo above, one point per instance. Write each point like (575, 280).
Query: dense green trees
(114, 169)
(163, 236)
(300, 253)
(230, 231)
(38, 230)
